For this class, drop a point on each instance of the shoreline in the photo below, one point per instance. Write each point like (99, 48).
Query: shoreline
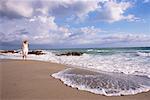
(26, 80)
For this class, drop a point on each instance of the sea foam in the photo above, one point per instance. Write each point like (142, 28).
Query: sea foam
(109, 84)
(144, 54)
(126, 63)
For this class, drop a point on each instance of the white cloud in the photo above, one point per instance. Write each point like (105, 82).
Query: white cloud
(146, 1)
(39, 30)
(108, 10)
(92, 35)
(113, 38)
(57, 8)
(112, 11)
(66, 8)
(15, 8)
(38, 21)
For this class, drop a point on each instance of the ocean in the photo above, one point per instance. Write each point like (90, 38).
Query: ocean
(116, 71)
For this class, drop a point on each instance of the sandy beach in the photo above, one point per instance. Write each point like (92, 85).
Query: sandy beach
(32, 80)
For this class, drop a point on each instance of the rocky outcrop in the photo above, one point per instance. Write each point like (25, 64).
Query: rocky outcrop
(70, 54)
(8, 51)
(37, 52)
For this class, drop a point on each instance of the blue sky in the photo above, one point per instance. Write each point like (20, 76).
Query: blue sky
(75, 23)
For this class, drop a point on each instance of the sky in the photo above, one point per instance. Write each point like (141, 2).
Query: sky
(75, 23)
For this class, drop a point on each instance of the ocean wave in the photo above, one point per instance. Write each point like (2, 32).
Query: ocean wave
(101, 52)
(109, 84)
(121, 63)
(144, 54)
(114, 63)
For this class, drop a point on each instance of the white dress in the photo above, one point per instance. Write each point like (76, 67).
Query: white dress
(25, 49)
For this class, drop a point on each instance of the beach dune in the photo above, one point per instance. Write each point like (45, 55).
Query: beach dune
(32, 80)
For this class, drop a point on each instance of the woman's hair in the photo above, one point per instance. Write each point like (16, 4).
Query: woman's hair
(25, 41)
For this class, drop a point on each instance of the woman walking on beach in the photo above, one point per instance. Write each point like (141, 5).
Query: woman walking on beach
(25, 49)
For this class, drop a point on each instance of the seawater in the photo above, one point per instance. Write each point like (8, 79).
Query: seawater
(122, 60)
(109, 84)
(129, 68)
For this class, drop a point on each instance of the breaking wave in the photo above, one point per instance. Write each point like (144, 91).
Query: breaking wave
(144, 54)
(109, 84)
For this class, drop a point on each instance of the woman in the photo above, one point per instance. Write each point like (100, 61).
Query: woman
(25, 49)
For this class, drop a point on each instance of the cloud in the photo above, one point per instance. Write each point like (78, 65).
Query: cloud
(29, 8)
(35, 20)
(15, 8)
(79, 8)
(74, 9)
(113, 11)
(146, 1)
(107, 10)
(127, 38)
(38, 30)
(44, 30)
(92, 35)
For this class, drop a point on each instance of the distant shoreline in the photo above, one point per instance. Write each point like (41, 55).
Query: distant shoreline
(37, 48)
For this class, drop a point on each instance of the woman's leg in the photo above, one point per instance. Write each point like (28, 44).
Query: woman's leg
(23, 55)
(26, 53)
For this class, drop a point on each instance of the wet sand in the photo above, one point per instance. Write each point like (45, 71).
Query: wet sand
(32, 80)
